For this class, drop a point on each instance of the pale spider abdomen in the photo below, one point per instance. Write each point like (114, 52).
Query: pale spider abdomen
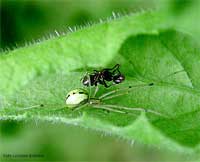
(76, 98)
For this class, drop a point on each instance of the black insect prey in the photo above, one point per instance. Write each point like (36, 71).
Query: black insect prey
(103, 76)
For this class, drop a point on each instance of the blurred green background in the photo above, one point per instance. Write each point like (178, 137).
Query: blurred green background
(24, 21)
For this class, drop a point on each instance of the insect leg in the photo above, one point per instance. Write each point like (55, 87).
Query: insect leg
(115, 67)
(104, 83)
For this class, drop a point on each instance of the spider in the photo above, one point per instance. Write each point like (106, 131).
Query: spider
(103, 76)
(79, 98)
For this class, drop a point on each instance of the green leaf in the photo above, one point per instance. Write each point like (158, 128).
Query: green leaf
(148, 52)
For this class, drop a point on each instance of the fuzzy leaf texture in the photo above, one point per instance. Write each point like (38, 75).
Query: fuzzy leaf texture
(146, 48)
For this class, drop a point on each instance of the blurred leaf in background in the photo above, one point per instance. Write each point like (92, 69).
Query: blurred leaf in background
(183, 14)
(26, 20)
(60, 142)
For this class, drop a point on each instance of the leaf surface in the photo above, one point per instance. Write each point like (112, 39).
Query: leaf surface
(148, 52)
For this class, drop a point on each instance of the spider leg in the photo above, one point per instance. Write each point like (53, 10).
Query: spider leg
(104, 96)
(135, 109)
(88, 76)
(42, 106)
(176, 72)
(96, 90)
(108, 109)
(80, 107)
(30, 107)
(62, 108)
(96, 85)
(114, 96)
